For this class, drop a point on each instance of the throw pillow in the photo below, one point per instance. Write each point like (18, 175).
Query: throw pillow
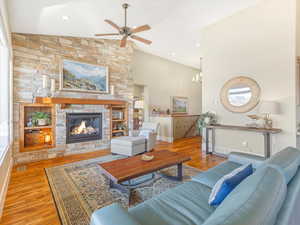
(227, 183)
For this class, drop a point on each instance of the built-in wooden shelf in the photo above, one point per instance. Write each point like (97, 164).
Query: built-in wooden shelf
(33, 138)
(64, 102)
(118, 131)
(118, 120)
(37, 147)
(37, 128)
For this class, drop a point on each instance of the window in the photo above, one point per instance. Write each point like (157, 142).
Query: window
(4, 86)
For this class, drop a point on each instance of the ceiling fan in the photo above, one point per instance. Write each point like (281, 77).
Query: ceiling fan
(127, 32)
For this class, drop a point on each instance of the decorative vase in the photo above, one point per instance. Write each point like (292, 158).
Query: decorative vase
(44, 90)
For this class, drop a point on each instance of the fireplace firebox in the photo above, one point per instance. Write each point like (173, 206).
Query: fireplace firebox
(83, 127)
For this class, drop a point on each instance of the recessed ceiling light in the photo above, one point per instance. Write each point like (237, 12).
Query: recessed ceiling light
(198, 45)
(65, 18)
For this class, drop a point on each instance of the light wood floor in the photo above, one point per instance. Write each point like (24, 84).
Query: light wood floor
(29, 200)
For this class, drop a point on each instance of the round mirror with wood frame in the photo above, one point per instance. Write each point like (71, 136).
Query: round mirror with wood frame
(240, 94)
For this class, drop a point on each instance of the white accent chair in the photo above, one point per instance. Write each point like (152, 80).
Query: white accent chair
(138, 142)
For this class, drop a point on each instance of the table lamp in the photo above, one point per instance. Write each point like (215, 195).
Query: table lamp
(267, 108)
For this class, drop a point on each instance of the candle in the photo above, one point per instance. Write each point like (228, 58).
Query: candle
(52, 85)
(112, 90)
(45, 81)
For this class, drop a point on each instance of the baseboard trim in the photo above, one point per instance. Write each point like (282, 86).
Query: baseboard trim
(164, 138)
(224, 151)
(5, 186)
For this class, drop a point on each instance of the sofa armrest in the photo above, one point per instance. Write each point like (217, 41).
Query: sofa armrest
(244, 158)
(112, 215)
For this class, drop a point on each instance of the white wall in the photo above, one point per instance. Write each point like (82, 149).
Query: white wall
(258, 42)
(164, 78)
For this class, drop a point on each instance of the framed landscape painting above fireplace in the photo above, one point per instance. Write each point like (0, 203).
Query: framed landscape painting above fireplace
(83, 77)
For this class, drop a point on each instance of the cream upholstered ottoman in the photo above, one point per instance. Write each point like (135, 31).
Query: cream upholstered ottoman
(128, 145)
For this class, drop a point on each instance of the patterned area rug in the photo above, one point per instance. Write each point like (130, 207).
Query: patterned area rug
(80, 188)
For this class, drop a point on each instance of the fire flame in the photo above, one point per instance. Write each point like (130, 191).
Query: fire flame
(83, 129)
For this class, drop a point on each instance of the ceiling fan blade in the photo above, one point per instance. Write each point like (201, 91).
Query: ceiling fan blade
(109, 34)
(112, 24)
(141, 39)
(123, 41)
(140, 29)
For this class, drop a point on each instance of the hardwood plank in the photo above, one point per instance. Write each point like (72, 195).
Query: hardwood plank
(29, 200)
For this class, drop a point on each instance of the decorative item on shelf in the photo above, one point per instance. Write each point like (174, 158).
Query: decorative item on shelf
(139, 108)
(168, 112)
(112, 90)
(48, 139)
(122, 126)
(267, 108)
(29, 123)
(206, 119)
(255, 121)
(154, 110)
(52, 87)
(117, 115)
(147, 158)
(44, 90)
(139, 104)
(41, 118)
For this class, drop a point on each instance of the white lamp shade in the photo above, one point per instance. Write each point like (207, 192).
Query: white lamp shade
(269, 107)
(139, 104)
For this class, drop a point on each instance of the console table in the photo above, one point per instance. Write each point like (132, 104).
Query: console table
(266, 132)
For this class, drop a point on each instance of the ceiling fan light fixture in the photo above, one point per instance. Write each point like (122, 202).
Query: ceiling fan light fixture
(126, 32)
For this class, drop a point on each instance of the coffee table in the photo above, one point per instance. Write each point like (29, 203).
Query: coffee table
(123, 170)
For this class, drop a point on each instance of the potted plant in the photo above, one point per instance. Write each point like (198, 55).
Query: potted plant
(41, 118)
(206, 119)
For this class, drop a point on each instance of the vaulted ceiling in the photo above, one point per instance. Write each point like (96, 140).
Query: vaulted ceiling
(176, 24)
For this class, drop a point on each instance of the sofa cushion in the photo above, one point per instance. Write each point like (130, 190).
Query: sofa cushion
(227, 183)
(211, 176)
(246, 158)
(255, 201)
(288, 160)
(289, 212)
(186, 204)
(128, 141)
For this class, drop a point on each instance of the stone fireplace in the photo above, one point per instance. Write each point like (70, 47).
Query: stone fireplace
(38, 55)
(82, 127)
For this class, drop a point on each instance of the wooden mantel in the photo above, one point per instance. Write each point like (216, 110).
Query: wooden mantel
(64, 102)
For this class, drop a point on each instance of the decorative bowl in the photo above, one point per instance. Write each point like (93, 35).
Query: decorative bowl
(147, 157)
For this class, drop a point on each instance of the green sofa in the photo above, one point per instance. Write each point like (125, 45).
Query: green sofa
(270, 196)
